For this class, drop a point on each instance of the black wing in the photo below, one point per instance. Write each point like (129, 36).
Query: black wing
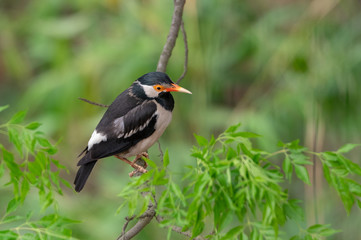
(123, 132)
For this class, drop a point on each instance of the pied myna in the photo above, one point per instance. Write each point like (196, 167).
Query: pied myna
(131, 124)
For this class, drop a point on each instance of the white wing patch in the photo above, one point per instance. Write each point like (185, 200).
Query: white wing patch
(96, 138)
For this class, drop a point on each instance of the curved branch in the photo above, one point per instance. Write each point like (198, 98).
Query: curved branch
(172, 36)
(145, 219)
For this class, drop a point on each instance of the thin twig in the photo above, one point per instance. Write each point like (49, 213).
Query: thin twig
(178, 229)
(93, 103)
(184, 34)
(172, 36)
(128, 220)
(160, 151)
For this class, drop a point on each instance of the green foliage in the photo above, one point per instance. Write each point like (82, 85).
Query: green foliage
(27, 165)
(238, 192)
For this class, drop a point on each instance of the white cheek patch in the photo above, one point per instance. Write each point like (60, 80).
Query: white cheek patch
(150, 91)
(96, 138)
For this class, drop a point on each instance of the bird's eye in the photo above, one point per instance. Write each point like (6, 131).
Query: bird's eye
(158, 88)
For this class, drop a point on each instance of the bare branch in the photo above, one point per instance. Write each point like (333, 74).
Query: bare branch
(93, 103)
(143, 221)
(172, 36)
(184, 34)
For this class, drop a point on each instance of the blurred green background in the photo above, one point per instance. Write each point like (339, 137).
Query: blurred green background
(286, 69)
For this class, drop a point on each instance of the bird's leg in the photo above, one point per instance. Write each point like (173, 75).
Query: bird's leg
(132, 164)
(139, 156)
(140, 162)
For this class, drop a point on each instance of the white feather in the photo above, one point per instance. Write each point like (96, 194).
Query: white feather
(96, 138)
(150, 91)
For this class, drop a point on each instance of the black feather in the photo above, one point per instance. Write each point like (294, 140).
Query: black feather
(136, 119)
(83, 174)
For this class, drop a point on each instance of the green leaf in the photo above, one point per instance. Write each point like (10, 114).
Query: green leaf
(2, 108)
(299, 158)
(166, 158)
(151, 163)
(231, 154)
(233, 128)
(287, 167)
(348, 147)
(12, 205)
(197, 155)
(18, 117)
(202, 141)
(8, 234)
(326, 173)
(302, 173)
(322, 229)
(14, 138)
(15, 171)
(33, 125)
(177, 192)
(24, 189)
(245, 135)
(233, 233)
(347, 199)
(44, 142)
(315, 228)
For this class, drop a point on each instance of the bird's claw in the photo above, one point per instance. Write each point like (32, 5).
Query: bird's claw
(139, 165)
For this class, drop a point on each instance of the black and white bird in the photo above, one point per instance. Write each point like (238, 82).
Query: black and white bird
(131, 124)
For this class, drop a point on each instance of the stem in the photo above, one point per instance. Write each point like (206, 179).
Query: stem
(172, 36)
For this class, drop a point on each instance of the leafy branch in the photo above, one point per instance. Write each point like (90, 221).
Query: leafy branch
(32, 167)
(238, 192)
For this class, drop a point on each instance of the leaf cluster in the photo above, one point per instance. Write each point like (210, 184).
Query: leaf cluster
(26, 167)
(236, 191)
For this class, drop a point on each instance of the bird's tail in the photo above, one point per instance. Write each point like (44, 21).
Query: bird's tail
(83, 174)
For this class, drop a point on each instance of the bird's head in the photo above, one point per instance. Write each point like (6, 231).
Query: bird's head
(156, 83)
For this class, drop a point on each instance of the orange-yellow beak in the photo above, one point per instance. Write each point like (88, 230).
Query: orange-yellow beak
(177, 88)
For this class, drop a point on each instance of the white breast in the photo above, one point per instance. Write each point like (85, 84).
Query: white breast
(163, 120)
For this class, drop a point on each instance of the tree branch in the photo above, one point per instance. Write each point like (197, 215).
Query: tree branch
(93, 103)
(149, 214)
(172, 36)
(143, 221)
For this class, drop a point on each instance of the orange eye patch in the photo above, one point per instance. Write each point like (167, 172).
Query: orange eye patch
(158, 88)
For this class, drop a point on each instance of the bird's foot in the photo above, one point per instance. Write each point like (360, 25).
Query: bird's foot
(138, 168)
(139, 157)
(140, 162)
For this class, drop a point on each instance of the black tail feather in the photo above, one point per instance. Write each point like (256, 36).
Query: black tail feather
(82, 175)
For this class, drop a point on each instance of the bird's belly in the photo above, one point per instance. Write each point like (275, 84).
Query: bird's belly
(163, 121)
